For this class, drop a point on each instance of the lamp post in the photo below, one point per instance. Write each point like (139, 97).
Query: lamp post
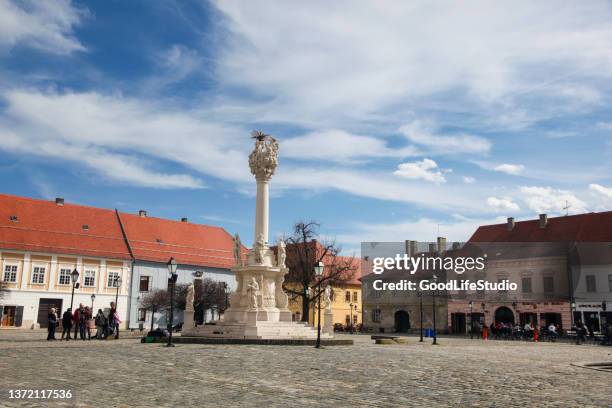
(433, 298)
(93, 297)
(172, 265)
(420, 293)
(117, 285)
(75, 277)
(471, 319)
(319, 272)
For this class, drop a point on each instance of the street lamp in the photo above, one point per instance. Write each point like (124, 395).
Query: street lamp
(420, 293)
(117, 285)
(319, 272)
(93, 297)
(471, 319)
(433, 298)
(172, 265)
(75, 277)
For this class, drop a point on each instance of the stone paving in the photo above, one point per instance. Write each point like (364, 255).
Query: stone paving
(459, 372)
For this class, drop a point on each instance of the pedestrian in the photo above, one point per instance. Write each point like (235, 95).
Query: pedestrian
(113, 319)
(78, 319)
(485, 332)
(52, 324)
(580, 332)
(89, 323)
(100, 322)
(66, 324)
(536, 334)
(116, 322)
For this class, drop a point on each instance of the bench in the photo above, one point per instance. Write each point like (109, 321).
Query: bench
(381, 339)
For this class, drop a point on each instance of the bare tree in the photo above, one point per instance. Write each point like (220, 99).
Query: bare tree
(210, 295)
(159, 300)
(304, 251)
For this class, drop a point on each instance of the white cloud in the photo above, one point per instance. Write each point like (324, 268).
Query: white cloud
(425, 169)
(469, 179)
(605, 125)
(340, 146)
(512, 169)
(552, 201)
(502, 204)
(425, 133)
(604, 191)
(46, 25)
(314, 61)
(422, 229)
(121, 137)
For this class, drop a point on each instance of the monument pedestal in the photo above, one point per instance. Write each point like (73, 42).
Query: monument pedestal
(328, 325)
(258, 308)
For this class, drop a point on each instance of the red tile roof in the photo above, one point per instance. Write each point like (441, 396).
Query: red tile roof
(156, 239)
(591, 227)
(43, 226)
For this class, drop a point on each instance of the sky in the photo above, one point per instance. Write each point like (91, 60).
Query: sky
(396, 120)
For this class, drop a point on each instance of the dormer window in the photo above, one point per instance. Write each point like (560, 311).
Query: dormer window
(13, 218)
(159, 240)
(85, 227)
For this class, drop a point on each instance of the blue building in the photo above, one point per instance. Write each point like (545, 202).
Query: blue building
(201, 251)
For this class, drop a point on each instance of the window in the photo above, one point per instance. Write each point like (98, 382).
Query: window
(347, 320)
(375, 315)
(89, 280)
(347, 296)
(64, 276)
(38, 275)
(355, 320)
(526, 285)
(549, 284)
(610, 282)
(355, 296)
(144, 283)
(500, 280)
(590, 283)
(142, 315)
(112, 279)
(10, 273)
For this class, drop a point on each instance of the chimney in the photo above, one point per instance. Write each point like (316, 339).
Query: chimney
(432, 248)
(456, 245)
(142, 213)
(441, 244)
(410, 247)
(184, 219)
(510, 223)
(59, 201)
(543, 220)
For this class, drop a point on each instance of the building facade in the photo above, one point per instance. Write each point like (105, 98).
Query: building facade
(42, 243)
(119, 257)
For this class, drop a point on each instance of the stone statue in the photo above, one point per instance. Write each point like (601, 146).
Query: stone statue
(327, 298)
(189, 298)
(282, 254)
(259, 249)
(253, 292)
(237, 250)
(282, 300)
(264, 158)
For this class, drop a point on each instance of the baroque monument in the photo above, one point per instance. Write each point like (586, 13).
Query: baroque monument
(258, 307)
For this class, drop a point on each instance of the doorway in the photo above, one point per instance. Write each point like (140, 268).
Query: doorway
(458, 322)
(402, 321)
(44, 306)
(504, 315)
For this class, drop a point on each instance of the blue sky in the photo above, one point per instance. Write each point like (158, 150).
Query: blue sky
(395, 121)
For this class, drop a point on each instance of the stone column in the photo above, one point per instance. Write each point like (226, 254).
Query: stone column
(263, 161)
(262, 210)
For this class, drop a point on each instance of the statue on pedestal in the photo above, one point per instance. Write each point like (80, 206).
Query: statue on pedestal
(259, 249)
(189, 298)
(253, 292)
(237, 250)
(327, 298)
(282, 254)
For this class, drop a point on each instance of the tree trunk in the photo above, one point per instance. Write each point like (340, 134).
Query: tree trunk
(305, 307)
(152, 318)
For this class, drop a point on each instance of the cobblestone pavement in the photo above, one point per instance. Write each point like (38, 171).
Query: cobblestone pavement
(459, 372)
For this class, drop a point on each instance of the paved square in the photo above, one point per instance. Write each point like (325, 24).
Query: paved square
(459, 372)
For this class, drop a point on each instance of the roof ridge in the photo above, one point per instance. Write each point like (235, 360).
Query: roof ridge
(51, 202)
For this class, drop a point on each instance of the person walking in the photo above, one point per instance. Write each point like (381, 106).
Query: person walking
(52, 324)
(116, 322)
(66, 324)
(100, 322)
(113, 320)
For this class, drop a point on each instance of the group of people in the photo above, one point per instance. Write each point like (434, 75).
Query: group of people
(83, 322)
(507, 330)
